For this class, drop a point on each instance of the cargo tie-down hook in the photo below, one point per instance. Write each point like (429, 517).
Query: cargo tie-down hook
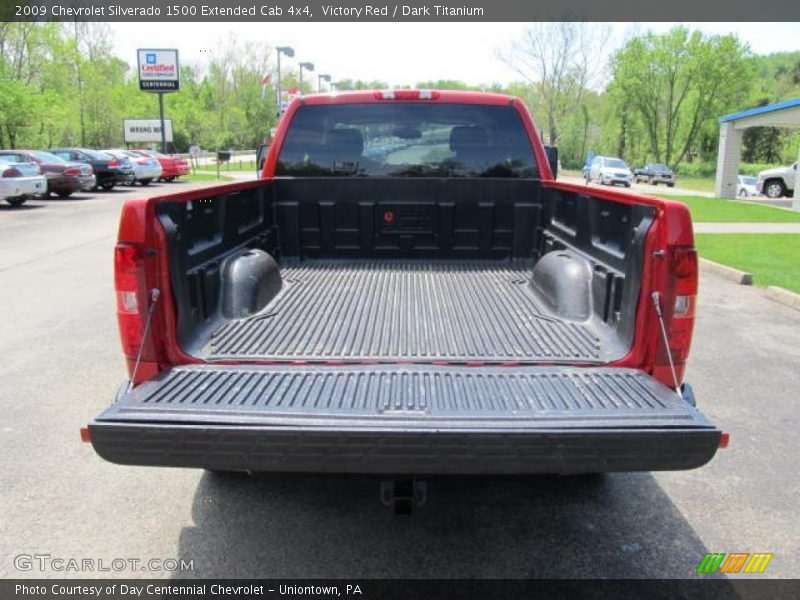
(154, 294)
(657, 302)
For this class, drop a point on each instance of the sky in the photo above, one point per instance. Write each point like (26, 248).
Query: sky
(402, 53)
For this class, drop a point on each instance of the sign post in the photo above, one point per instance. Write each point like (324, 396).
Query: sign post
(159, 72)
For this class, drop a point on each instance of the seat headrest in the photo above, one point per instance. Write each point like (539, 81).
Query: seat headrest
(345, 142)
(466, 138)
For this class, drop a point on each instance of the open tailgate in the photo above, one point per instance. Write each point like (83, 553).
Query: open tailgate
(405, 419)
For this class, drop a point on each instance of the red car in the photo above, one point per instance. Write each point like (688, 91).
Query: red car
(173, 166)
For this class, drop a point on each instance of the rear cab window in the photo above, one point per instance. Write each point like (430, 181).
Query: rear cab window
(407, 140)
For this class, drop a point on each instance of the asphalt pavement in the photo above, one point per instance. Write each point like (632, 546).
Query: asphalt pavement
(61, 365)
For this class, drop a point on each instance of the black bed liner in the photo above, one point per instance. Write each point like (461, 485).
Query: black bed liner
(448, 310)
(405, 419)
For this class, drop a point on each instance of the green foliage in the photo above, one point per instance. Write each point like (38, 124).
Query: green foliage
(60, 84)
(709, 169)
(669, 86)
(349, 84)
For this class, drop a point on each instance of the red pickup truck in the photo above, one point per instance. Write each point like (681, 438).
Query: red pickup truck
(406, 290)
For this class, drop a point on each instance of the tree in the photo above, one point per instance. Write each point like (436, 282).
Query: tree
(676, 83)
(560, 61)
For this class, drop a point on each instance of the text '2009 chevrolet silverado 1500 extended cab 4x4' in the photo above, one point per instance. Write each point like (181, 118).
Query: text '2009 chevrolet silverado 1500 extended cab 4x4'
(406, 291)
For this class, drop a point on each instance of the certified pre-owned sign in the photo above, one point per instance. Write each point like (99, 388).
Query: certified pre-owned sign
(158, 70)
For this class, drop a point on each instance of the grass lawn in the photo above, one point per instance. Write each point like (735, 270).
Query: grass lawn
(233, 165)
(773, 259)
(701, 184)
(715, 210)
(206, 177)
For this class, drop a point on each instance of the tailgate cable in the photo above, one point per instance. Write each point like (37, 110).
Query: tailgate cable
(154, 294)
(657, 302)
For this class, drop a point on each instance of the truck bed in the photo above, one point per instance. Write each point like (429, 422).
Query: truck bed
(432, 310)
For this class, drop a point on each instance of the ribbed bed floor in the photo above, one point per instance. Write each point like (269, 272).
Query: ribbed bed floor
(405, 310)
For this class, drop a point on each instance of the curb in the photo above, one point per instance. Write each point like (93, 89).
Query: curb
(784, 296)
(735, 275)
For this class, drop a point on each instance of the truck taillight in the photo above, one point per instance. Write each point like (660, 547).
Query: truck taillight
(132, 309)
(678, 308)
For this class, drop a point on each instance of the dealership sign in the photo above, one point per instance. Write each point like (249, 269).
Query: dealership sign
(146, 130)
(158, 70)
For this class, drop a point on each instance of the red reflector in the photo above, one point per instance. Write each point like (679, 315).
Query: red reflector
(85, 437)
(683, 261)
(724, 440)
(127, 261)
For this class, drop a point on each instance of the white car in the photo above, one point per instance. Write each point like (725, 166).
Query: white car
(609, 171)
(746, 186)
(145, 169)
(20, 181)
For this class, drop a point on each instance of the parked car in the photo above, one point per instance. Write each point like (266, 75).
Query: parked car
(779, 182)
(609, 171)
(20, 181)
(108, 170)
(63, 178)
(125, 166)
(145, 169)
(172, 165)
(746, 187)
(654, 174)
(448, 309)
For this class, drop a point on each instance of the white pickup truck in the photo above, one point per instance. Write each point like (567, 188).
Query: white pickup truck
(775, 183)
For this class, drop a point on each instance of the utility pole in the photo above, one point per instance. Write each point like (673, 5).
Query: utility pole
(80, 85)
(290, 53)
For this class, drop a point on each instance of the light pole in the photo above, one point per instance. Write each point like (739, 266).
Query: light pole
(289, 52)
(320, 79)
(308, 66)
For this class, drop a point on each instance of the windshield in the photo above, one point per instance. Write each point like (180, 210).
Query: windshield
(95, 155)
(407, 140)
(46, 157)
(616, 163)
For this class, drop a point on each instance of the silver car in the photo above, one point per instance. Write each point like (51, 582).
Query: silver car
(608, 170)
(145, 169)
(20, 181)
(746, 187)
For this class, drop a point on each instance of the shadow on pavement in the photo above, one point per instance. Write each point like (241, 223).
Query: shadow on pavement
(5, 206)
(616, 526)
(77, 197)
